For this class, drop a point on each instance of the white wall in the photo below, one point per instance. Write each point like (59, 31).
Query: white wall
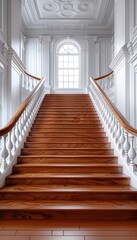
(33, 56)
(14, 25)
(41, 57)
(10, 53)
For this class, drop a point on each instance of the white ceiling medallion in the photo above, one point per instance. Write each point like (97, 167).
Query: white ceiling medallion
(50, 6)
(67, 13)
(85, 6)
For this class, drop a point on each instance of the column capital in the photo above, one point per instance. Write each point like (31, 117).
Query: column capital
(45, 38)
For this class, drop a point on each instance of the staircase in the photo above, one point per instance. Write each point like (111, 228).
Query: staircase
(67, 168)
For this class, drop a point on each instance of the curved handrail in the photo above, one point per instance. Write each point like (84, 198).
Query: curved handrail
(19, 111)
(32, 76)
(104, 76)
(125, 124)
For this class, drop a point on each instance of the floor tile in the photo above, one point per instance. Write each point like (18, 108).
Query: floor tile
(34, 233)
(57, 233)
(57, 238)
(14, 237)
(100, 233)
(7, 233)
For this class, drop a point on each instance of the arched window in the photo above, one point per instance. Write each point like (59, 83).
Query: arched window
(68, 66)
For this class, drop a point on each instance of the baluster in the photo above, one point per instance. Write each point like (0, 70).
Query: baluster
(132, 152)
(112, 124)
(20, 128)
(115, 128)
(118, 134)
(121, 141)
(110, 120)
(9, 147)
(126, 146)
(17, 135)
(4, 154)
(13, 139)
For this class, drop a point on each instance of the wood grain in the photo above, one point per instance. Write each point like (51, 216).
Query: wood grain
(67, 168)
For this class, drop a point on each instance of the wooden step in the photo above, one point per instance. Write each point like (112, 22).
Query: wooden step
(65, 139)
(68, 134)
(66, 145)
(67, 168)
(67, 193)
(68, 210)
(68, 179)
(66, 151)
(63, 118)
(67, 126)
(44, 121)
(60, 130)
(68, 159)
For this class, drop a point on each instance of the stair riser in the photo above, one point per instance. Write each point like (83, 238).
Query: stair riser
(66, 139)
(46, 118)
(63, 134)
(74, 131)
(67, 160)
(67, 145)
(68, 196)
(43, 121)
(72, 215)
(68, 111)
(46, 169)
(67, 115)
(69, 181)
(38, 151)
(68, 126)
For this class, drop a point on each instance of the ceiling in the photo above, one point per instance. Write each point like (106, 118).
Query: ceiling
(68, 16)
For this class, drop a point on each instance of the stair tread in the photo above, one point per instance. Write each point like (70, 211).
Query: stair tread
(67, 165)
(55, 178)
(67, 175)
(69, 188)
(70, 156)
(68, 205)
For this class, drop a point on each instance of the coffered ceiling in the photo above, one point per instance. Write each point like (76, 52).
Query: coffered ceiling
(66, 16)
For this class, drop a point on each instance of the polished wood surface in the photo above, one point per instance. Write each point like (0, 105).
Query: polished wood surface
(67, 168)
(32, 76)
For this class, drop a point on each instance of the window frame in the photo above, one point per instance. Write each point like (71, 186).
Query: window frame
(77, 46)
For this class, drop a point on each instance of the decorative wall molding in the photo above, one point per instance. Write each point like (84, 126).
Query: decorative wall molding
(3, 52)
(12, 56)
(119, 59)
(66, 15)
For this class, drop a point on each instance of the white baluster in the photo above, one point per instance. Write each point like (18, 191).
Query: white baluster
(132, 152)
(13, 139)
(4, 154)
(121, 141)
(115, 128)
(17, 135)
(126, 146)
(9, 147)
(112, 124)
(118, 134)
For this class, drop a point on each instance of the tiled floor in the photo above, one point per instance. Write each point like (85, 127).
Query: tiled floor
(67, 230)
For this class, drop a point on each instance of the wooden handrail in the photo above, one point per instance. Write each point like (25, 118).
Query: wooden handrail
(125, 124)
(104, 76)
(19, 111)
(32, 76)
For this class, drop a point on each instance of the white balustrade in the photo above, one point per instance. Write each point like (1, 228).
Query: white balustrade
(28, 83)
(12, 142)
(107, 84)
(124, 141)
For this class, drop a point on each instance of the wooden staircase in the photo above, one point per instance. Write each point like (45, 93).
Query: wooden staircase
(67, 168)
